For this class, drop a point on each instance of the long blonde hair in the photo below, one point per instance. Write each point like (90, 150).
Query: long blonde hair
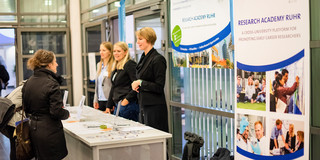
(300, 134)
(122, 62)
(110, 61)
(291, 133)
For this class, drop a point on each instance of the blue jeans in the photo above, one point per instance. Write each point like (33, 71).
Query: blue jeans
(130, 111)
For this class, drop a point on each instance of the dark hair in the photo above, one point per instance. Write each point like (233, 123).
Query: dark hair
(276, 73)
(284, 71)
(278, 78)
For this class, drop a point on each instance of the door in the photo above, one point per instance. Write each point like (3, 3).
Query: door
(56, 40)
(95, 33)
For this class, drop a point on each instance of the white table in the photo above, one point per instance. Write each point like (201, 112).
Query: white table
(123, 140)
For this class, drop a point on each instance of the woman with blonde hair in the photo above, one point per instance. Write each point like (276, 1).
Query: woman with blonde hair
(290, 142)
(42, 101)
(121, 79)
(300, 139)
(103, 78)
(151, 74)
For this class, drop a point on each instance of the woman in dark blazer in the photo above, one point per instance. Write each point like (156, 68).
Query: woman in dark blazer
(42, 99)
(151, 74)
(121, 79)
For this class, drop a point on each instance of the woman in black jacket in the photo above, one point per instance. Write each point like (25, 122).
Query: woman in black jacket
(42, 99)
(121, 78)
(151, 74)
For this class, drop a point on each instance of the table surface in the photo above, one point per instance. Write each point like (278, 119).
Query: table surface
(119, 130)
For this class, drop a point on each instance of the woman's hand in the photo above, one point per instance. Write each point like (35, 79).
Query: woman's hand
(124, 102)
(107, 111)
(96, 105)
(135, 85)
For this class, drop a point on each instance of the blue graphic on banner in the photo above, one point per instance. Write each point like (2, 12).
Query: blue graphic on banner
(122, 20)
(206, 44)
(271, 67)
(294, 155)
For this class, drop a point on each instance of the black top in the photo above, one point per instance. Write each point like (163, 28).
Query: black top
(121, 84)
(42, 96)
(151, 69)
(292, 140)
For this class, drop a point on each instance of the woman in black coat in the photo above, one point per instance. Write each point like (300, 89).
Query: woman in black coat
(121, 79)
(151, 74)
(42, 99)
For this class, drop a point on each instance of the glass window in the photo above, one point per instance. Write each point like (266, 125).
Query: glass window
(98, 12)
(139, 1)
(206, 87)
(86, 4)
(61, 69)
(315, 19)
(52, 41)
(8, 18)
(93, 38)
(8, 6)
(216, 131)
(44, 19)
(112, 6)
(43, 6)
(154, 22)
(315, 89)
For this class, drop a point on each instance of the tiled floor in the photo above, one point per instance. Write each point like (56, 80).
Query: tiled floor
(4, 147)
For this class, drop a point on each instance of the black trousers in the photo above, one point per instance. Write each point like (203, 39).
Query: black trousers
(102, 105)
(155, 116)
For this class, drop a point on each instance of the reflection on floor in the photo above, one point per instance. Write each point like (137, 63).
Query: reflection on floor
(4, 147)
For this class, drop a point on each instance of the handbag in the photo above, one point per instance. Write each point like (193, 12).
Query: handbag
(24, 150)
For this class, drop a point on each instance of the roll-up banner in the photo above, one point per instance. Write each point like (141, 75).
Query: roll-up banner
(272, 79)
(201, 33)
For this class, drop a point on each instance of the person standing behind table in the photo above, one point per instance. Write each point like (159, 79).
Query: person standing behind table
(151, 74)
(103, 80)
(42, 100)
(121, 78)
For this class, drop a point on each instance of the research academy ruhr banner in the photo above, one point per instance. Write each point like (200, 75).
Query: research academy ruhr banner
(272, 79)
(201, 33)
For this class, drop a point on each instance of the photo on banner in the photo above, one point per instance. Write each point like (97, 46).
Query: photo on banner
(288, 136)
(251, 134)
(286, 91)
(251, 90)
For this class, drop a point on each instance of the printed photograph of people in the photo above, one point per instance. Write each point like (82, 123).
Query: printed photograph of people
(251, 136)
(286, 90)
(287, 136)
(251, 90)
